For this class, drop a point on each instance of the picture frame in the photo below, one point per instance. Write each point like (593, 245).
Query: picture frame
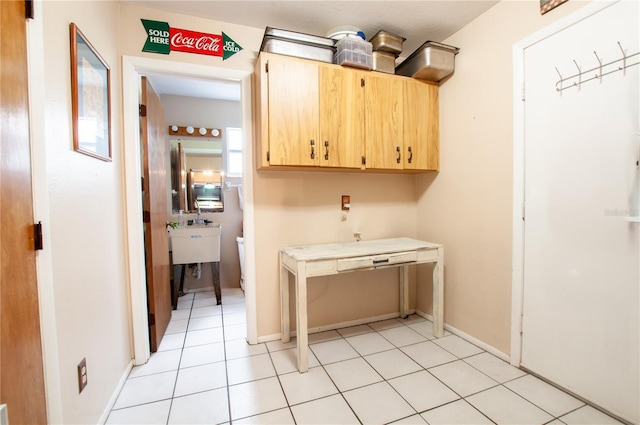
(90, 98)
(547, 5)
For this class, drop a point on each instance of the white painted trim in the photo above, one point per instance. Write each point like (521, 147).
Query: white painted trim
(250, 298)
(517, 253)
(486, 347)
(41, 212)
(132, 69)
(480, 344)
(517, 277)
(268, 338)
(133, 211)
(341, 325)
(4, 420)
(424, 315)
(356, 322)
(116, 393)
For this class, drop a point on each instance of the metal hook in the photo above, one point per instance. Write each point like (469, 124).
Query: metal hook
(579, 75)
(560, 81)
(624, 59)
(599, 66)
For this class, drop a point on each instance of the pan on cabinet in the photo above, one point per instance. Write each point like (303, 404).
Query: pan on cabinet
(312, 115)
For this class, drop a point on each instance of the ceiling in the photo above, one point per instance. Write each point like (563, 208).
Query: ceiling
(417, 21)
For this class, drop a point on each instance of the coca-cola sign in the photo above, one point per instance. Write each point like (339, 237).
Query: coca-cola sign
(163, 39)
(195, 42)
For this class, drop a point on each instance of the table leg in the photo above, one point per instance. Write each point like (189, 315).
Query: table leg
(404, 292)
(215, 274)
(181, 289)
(301, 317)
(284, 303)
(438, 295)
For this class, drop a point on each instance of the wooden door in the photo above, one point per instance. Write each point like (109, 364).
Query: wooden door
(383, 126)
(341, 117)
(21, 365)
(581, 275)
(293, 112)
(156, 239)
(421, 123)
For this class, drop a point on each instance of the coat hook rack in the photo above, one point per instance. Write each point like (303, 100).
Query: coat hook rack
(601, 70)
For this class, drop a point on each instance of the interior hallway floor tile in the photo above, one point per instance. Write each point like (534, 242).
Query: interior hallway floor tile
(389, 371)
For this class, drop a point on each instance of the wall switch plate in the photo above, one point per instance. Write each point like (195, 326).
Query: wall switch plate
(346, 202)
(82, 375)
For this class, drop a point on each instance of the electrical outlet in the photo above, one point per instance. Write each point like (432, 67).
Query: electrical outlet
(346, 202)
(82, 375)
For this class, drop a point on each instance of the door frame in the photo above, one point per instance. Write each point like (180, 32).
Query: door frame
(133, 68)
(519, 137)
(41, 212)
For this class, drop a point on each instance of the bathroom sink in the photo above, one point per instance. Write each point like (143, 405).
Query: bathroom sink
(198, 243)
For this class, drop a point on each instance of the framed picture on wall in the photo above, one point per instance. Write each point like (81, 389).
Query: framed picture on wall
(547, 5)
(90, 98)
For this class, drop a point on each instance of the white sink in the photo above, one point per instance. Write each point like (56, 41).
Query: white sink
(195, 244)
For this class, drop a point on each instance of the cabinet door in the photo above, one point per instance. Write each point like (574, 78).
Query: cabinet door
(421, 122)
(384, 124)
(341, 117)
(293, 112)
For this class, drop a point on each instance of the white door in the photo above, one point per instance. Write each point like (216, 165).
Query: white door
(581, 247)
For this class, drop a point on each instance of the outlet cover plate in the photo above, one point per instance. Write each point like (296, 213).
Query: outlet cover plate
(82, 375)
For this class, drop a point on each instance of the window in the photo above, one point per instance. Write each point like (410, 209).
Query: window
(234, 152)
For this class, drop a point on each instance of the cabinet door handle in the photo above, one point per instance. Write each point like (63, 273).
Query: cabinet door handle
(398, 150)
(326, 153)
(313, 153)
(410, 155)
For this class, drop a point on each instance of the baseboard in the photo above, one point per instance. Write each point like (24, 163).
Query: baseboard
(116, 393)
(486, 347)
(481, 344)
(334, 326)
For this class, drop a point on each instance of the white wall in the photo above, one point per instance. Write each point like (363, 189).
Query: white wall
(468, 205)
(85, 224)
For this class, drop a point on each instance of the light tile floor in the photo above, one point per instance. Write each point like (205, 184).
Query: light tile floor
(392, 371)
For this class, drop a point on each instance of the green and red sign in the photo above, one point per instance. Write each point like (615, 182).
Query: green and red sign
(163, 39)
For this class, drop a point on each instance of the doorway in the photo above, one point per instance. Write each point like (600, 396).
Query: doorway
(133, 69)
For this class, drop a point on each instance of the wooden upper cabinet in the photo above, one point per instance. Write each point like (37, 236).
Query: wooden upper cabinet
(384, 127)
(293, 106)
(342, 121)
(421, 131)
(312, 114)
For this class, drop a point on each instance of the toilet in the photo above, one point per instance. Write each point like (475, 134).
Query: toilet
(240, 241)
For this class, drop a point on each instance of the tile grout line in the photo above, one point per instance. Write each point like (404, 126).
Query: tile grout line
(226, 369)
(284, 394)
(175, 384)
(333, 382)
